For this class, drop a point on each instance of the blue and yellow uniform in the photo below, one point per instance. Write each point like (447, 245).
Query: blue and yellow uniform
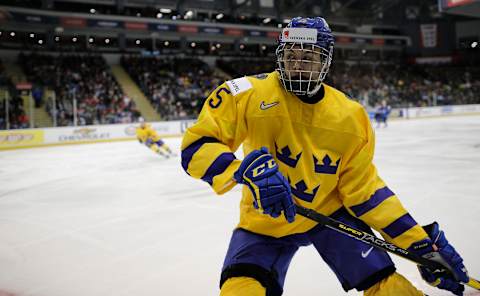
(148, 136)
(325, 150)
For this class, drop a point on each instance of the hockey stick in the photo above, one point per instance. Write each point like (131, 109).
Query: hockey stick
(375, 241)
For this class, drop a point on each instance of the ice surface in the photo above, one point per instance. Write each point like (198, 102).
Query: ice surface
(116, 219)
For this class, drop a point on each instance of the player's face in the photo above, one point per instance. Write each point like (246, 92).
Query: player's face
(143, 125)
(302, 62)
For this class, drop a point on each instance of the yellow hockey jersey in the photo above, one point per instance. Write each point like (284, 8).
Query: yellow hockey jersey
(147, 133)
(324, 149)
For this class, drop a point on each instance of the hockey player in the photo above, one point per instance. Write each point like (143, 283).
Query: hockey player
(305, 143)
(148, 136)
(381, 113)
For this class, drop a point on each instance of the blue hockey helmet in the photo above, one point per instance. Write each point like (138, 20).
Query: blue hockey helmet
(304, 54)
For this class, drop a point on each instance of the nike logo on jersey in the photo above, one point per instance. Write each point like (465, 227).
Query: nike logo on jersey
(365, 254)
(264, 106)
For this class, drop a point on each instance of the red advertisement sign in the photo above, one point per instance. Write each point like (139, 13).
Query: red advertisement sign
(136, 26)
(188, 29)
(273, 34)
(234, 32)
(453, 3)
(75, 22)
(343, 39)
(23, 86)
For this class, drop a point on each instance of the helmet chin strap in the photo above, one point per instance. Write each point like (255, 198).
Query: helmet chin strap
(315, 90)
(313, 98)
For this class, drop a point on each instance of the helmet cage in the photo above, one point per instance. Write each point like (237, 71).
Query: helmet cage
(299, 84)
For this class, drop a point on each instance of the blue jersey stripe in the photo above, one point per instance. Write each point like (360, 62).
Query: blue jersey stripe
(379, 196)
(188, 152)
(218, 166)
(399, 226)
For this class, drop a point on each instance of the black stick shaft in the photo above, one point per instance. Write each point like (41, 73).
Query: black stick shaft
(375, 241)
(366, 238)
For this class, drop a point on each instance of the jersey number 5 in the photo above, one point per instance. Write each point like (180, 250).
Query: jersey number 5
(214, 104)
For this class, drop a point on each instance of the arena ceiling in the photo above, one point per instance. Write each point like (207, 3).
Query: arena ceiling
(353, 11)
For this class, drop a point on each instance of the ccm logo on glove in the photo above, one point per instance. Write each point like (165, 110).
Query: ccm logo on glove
(270, 189)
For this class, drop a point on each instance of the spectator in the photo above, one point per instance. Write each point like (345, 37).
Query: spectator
(84, 80)
(175, 87)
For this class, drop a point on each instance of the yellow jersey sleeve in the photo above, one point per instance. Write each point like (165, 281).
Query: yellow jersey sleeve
(208, 146)
(367, 197)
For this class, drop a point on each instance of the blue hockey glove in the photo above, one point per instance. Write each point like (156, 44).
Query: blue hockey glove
(438, 249)
(270, 188)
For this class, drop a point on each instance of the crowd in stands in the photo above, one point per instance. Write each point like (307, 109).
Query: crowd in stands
(400, 86)
(17, 117)
(84, 79)
(238, 68)
(175, 87)
(408, 85)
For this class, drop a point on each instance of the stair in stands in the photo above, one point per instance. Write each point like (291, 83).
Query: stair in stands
(42, 118)
(38, 116)
(131, 89)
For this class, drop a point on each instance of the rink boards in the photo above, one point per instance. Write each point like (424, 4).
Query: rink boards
(28, 138)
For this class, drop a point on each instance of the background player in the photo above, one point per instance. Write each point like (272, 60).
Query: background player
(381, 113)
(307, 143)
(148, 136)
